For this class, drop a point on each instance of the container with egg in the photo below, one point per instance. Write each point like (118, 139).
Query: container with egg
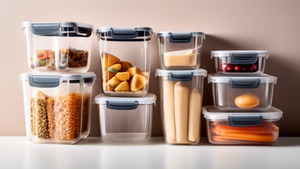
(239, 93)
(125, 60)
(242, 127)
(240, 62)
(57, 106)
(181, 100)
(125, 119)
(58, 46)
(180, 50)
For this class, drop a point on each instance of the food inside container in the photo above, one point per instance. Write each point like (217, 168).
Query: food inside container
(58, 46)
(181, 102)
(125, 60)
(242, 127)
(57, 106)
(240, 61)
(180, 50)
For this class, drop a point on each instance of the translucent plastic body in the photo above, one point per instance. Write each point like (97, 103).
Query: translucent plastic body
(181, 103)
(57, 115)
(219, 132)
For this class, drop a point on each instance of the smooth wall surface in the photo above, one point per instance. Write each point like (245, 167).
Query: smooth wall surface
(233, 24)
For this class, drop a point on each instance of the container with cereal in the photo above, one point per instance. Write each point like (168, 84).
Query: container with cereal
(57, 106)
(58, 46)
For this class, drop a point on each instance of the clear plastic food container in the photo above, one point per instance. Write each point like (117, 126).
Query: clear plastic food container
(58, 46)
(242, 128)
(57, 106)
(125, 60)
(238, 93)
(125, 119)
(180, 50)
(181, 100)
(240, 62)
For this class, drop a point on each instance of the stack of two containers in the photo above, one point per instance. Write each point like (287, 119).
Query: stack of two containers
(57, 95)
(181, 85)
(242, 95)
(125, 107)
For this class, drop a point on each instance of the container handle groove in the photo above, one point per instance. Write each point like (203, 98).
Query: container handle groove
(181, 77)
(244, 121)
(244, 58)
(244, 83)
(117, 105)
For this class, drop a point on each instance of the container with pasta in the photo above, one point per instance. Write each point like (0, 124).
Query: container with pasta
(181, 94)
(242, 127)
(57, 106)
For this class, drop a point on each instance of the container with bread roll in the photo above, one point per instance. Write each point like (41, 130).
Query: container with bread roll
(125, 119)
(180, 50)
(57, 106)
(58, 46)
(181, 94)
(242, 93)
(242, 127)
(125, 60)
(240, 62)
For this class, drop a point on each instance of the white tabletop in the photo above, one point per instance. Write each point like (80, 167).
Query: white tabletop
(18, 152)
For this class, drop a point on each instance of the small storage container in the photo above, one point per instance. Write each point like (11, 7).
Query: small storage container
(58, 46)
(180, 50)
(242, 128)
(238, 93)
(57, 106)
(240, 62)
(125, 60)
(125, 119)
(181, 100)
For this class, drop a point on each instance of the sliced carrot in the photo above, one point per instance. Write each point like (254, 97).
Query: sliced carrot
(251, 129)
(249, 136)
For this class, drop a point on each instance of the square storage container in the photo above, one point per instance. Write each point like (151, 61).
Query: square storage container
(180, 50)
(243, 127)
(181, 94)
(58, 46)
(240, 62)
(57, 106)
(125, 60)
(125, 119)
(239, 93)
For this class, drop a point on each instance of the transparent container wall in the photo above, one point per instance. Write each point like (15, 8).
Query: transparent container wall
(180, 56)
(181, 103)
(219, 132)
(126, 126)
(227, 98)
(224, 66)
(57, 115)
(58, 53)
(125, 67)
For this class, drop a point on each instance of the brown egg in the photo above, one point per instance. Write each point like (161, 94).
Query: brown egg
(247, 101)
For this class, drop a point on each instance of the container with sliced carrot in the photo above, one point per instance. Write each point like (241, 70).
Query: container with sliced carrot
(242, 127)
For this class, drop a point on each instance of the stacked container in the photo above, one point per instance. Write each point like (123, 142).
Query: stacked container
(57, 95)
(125, 108)
(181, 85)
(242, 96)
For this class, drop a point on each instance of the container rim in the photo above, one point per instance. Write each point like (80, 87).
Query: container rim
(148, 99)
(228, 53)
(264, 78)
(212, 113)
(63, 76)
(198, 72)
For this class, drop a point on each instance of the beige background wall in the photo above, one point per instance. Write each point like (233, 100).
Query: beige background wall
(232, 24)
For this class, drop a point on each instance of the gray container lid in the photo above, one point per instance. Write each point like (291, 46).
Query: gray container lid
(124, 33)
(263, 78)
(70, 29)
(212, 113)
(148, 99)
(229, 53)
(50, 80)
(169, 33)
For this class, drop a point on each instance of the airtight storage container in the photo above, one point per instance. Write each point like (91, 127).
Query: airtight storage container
(242, 127)
(239, 93)
(240, 62)
(58, 46)
(180, 50)
(181, 94)
(125, 60)
(125, 119)
(57, 106)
